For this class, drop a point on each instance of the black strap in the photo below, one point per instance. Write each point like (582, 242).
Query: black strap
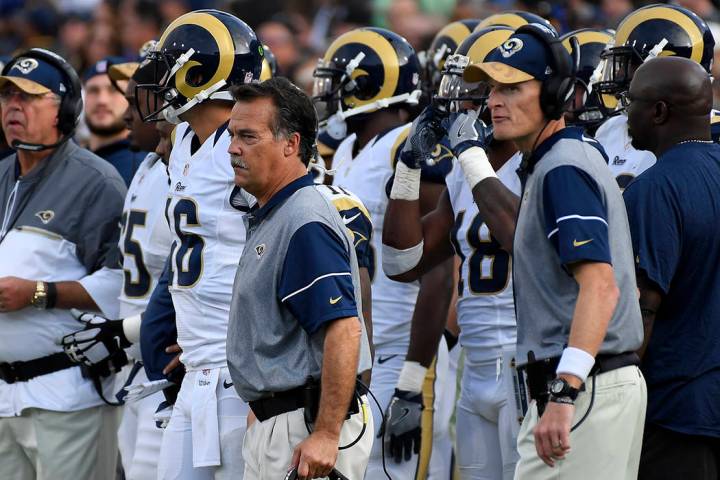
(278, 404)
(24, 371)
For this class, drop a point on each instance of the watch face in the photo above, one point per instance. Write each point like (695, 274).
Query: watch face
(557, 386)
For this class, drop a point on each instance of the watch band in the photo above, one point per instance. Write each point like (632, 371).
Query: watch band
(564, 400)
(51, 295)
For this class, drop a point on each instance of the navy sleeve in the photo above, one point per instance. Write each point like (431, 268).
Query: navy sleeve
(158, 330)
(655, 229)
(99, 231)
(361, 228)
(575, 216)
(316, 280)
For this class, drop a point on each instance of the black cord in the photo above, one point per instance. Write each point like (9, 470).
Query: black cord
(592, 401)
(382, 428)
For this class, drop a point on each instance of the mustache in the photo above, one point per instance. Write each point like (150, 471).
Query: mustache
(236, 161)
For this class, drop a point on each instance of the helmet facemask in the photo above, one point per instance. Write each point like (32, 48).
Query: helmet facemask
(454, 93)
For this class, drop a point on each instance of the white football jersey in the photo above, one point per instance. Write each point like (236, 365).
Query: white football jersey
(145, 236)
(208, 239)
(485, 306)
(624, 160)
(366, 175)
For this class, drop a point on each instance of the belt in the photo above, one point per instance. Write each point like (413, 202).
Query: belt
(289, 400)
(24, 371)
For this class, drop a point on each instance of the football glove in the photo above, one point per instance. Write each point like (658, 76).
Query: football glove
(425, 133)
(99, 346)
(402, 425)
(466, 130)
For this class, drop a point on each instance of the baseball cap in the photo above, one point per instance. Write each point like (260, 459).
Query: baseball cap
(520, 58)
(125, 70)
(34, 76)
(101, 67)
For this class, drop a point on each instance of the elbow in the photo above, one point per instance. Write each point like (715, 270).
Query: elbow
(609, 290)
(401, 265)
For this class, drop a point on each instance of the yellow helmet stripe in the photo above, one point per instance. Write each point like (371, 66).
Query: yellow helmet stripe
(584, 38)
(509, 19)
(662, 13)
(457, 31)
(383, 49)
(225, 44)
(266, 72)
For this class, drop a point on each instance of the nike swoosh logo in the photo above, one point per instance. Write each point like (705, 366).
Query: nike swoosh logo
(226, 384)
(347, 221)
(405, 413)
(333, 301)
(580, 244)
(382, 360)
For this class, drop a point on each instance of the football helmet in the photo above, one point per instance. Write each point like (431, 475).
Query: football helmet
(197, 58)
(453, 90)
(587, 110)
(648, 32)
(364, 70)
(443, 45)
(514, 19)
(269, 65)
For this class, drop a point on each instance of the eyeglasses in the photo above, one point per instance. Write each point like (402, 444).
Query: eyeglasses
(7, 95)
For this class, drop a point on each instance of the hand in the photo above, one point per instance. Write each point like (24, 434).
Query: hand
(402, 425)
(465, 130)
(552, 432)
(175, 362)
(425, 133)
(99, 345)
(315, 456)
(15, 293)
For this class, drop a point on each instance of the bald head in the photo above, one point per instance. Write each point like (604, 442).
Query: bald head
(670, 101)
(676, 80)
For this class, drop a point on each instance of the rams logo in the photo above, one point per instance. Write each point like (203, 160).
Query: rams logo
(511, 47)
(45, 216)
(26, 65)
(260, 250)
(364, 66)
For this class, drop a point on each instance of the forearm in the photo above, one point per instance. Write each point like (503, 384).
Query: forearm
(597, 298)
(650, 300)
(339, 368)
(73, 295)
(498, 206)
(430, 315)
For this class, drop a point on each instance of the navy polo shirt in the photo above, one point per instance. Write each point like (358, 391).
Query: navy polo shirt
(316, 280)
(674, 214)
(575, 212)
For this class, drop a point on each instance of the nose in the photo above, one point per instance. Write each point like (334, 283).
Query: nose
(494, 99)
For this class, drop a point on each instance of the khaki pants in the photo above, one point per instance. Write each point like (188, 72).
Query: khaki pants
(43, 444)
(608, 443)
(269, 445)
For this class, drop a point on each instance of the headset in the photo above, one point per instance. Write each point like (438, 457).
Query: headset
(557, 90)
(71, 103)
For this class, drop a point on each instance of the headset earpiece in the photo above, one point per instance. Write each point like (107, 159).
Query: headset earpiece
(558, 88)
(71, 104)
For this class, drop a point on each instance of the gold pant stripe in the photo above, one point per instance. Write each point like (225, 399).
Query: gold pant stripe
(426, 423)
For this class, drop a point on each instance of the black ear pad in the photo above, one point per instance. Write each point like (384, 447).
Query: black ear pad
(71, 105)
(557, 89)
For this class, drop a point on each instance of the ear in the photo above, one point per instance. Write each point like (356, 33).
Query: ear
(292, 145)
(660, 112)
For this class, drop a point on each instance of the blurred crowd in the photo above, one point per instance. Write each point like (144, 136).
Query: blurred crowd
(297, 31)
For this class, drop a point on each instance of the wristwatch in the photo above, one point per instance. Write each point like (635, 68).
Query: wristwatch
(40, 297)
(559, 387)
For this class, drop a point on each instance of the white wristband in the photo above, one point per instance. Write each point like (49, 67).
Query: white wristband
(476, 166)
(411, 377)
(406, 185)
(397, 262)
(131, 328)
(575, 362)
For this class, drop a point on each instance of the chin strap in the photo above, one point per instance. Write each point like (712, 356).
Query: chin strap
(336, 126)
(172, 115)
